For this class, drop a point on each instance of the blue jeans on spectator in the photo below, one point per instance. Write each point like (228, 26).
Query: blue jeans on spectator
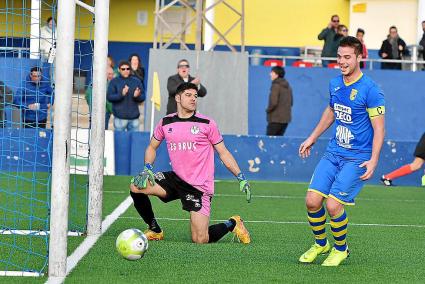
(126, 124)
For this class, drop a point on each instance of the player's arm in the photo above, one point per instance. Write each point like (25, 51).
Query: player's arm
(141, 180)
(325, 122)
(229, 161)
(378, 124)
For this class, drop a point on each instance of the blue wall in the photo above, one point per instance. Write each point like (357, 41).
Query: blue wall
(405, 99)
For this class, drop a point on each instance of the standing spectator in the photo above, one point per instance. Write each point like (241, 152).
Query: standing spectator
(328, 35)
(342, 31)
(111, 63)
(137, 69)
(34, 99)
(422, 42)
(174, 81)
(6, 97)
(48, 37)
(280, 103)
(393, 48)
(360, 36)
(125, 93)
(108, 111)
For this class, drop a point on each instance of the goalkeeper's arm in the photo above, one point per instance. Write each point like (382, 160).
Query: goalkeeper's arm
(229, 161)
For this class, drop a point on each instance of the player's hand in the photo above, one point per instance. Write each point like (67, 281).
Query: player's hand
(141, 180)
(370, 169)
(305, 148)
(244, 186)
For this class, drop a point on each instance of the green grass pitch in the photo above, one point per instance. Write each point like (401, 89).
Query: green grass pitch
(386, 237)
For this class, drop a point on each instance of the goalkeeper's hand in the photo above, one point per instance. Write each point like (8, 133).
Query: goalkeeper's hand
(141, 180)
(244, 186)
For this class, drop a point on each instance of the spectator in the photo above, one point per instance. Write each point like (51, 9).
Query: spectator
(137, 69)
(174, 81)
(280, 103)
(422, 42)
(6, 97)
(328, 35)
(125, 93)
(111, 63)
(34, 99)
(48, 37)
(108, 111)
(360, 36)
(393, 48)
(342, 31)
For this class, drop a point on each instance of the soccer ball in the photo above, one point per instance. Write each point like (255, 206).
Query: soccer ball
(132, 244)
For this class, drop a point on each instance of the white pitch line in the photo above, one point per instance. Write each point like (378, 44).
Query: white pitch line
(287, 197)
(90, 241)
(290, 222)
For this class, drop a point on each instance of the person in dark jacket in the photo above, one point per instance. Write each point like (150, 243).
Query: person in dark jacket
(280, 103)
(422, 42)
(328, 34)
(137, 67)
(181, 77)
(34, 99)
(6, 97)
(125, 93)
(393, 48)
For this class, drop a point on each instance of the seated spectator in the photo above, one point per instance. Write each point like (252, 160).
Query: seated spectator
(174, 81)
(360, 36)
(6, 97)
(137, 69)
(393, 48)
(125, 93)
(108, 111)
(34, 99)
(328, 35)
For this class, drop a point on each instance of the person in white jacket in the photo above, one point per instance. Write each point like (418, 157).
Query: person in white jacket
(48, 36)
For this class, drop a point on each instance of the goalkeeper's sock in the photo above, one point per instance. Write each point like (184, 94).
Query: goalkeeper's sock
(402, 171)
(217, 231)
(317, 221)
(144, 208)
(339, 225)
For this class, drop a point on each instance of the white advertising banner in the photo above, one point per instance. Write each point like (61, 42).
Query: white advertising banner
(79, 160)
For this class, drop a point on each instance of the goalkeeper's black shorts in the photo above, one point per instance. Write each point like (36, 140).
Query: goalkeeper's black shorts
(191, 198)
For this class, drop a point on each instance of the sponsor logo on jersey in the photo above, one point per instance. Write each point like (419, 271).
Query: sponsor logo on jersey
(343, 136)
(194, 130)
(353, 94)
(183, 146)
(342, 113)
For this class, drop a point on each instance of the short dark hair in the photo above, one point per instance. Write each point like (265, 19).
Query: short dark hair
(352, 42)
(182, 60)
(360, 30)
(333, 16)
(124, 62)
(393, 27)
(280, 72)
(423, 22)
(35, 69)
(49, 19)
(186, 86)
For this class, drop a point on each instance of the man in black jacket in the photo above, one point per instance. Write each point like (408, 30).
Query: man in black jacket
(422, 42)
(126, 92)
(393, 48)
(181, 77)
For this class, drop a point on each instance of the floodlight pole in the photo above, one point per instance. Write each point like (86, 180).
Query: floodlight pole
(97, 129)
(61, 139)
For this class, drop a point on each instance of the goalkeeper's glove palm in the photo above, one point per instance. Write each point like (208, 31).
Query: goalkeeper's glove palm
(141, 180)
(244, 186)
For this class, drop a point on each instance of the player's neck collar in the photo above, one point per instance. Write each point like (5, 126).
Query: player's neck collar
(185, 118)
(352, 82)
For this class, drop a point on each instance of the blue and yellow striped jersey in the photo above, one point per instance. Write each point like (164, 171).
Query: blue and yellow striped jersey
(354, 105)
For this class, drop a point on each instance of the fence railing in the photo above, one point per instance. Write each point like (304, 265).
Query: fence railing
(20, 51)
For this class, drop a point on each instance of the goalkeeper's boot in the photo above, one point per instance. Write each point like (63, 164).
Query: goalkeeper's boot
(336, 257)
(386, 182)
(240, 231)
(154, 236)
(315, 250)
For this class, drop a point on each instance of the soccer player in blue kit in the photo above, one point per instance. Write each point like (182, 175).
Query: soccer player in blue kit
(357, 107)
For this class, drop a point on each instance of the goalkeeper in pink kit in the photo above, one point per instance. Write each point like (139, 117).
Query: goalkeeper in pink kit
(191, 140)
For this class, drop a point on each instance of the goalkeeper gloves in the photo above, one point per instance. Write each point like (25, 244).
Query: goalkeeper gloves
(244, 186)
(141, 180)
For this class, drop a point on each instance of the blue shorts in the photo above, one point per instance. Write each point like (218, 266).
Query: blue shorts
(338, 178)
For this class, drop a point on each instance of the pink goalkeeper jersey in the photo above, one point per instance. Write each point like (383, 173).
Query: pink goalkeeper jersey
(190, 144)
